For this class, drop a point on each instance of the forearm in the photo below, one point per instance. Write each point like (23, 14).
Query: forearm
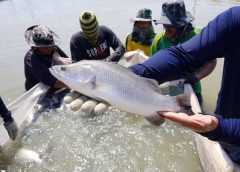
(117, 54)
(197, 122)
(9, 123)
(206, 69)
(115, 44)
(213, 127)
(228, 130)
(5, 113)
(61, 52)
(176, 62)
(163, 66)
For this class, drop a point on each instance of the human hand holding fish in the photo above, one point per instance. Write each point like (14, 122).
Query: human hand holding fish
(77, 101)
(197, 122)
(132, 58)
(119, 87)
(58, 60)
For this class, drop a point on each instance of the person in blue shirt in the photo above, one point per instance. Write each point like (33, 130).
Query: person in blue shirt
(220, 38)
(9, 122)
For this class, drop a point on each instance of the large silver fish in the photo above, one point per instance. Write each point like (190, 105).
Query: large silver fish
(119, 87)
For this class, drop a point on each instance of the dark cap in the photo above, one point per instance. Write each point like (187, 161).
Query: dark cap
(144, 14)
(175, 14)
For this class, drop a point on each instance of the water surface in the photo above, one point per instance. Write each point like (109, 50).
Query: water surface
(113, 142)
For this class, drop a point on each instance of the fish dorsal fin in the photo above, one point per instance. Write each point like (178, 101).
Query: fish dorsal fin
(153, 83)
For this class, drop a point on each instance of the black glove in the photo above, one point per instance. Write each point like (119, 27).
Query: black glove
(11, 128)
(191, 80)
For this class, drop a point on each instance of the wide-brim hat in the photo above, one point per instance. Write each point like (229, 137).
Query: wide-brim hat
(175, 14)
(144, 14)
(41, 36)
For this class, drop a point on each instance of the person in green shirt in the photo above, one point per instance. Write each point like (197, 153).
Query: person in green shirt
(178, 29)
(142, 34)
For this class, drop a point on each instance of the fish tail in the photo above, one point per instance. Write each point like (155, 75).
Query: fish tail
(184, 101)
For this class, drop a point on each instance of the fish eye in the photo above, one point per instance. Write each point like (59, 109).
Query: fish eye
(63, 68)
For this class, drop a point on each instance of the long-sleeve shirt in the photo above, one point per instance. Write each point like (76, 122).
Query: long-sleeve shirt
(82, 49)
(220, 38)
(228, 130)
(36, 68)
(162, 41)
(4, 112)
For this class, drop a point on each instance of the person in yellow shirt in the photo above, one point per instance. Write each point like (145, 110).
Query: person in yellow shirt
(142, 34)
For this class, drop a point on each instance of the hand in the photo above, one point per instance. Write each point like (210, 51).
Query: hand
(192, 80)
(58, 60)
(85, 104)
(197, 122)
(132, 58)
(11, 128)
(106, 60)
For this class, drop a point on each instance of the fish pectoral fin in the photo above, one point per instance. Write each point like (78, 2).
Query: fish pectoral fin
(154, 84)
(155, 119)
(91, 81)
(187, 109)
(185, 103)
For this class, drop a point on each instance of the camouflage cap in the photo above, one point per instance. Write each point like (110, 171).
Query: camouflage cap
(144, 14)
(175, 14)
(41, 36)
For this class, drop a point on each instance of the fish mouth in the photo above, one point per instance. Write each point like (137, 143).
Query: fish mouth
(52, 71)
(60, 73)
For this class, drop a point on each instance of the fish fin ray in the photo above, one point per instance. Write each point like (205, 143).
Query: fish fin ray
(184, 101)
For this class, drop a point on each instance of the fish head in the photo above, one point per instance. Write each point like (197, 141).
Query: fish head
(76, 76)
